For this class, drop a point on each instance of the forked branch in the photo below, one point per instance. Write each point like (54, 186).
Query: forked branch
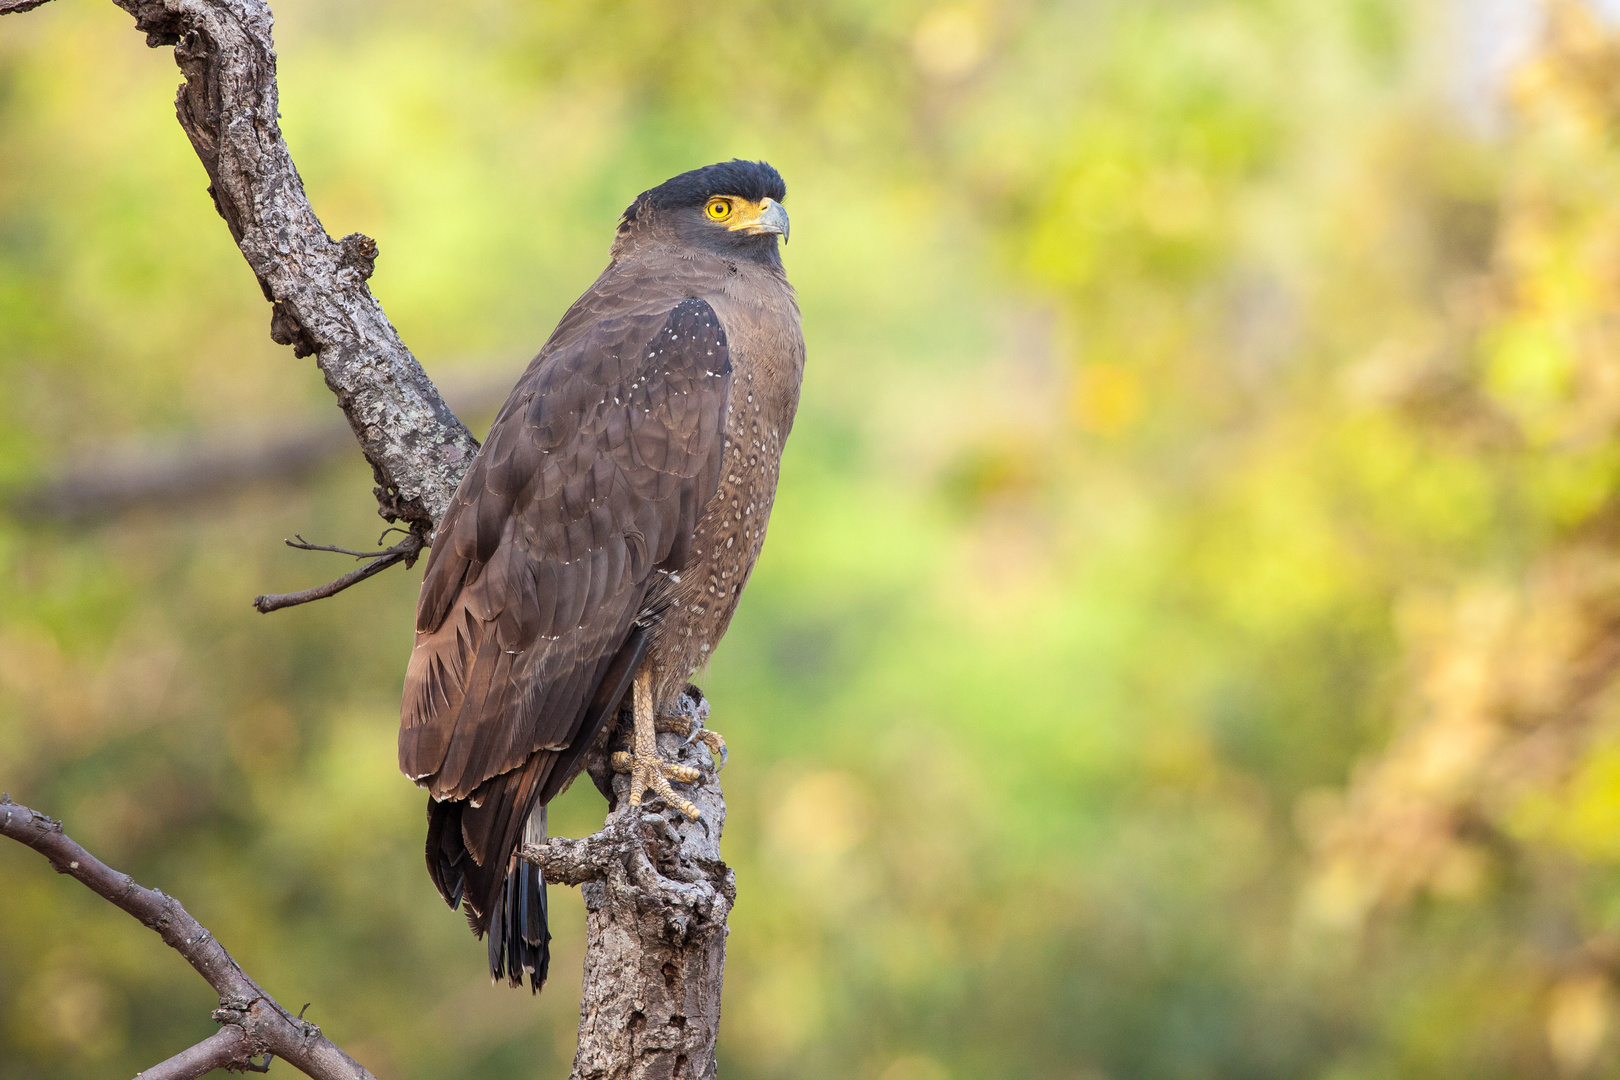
(405, 551)
(253, 1023)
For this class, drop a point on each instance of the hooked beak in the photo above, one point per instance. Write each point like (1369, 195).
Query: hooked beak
(770, 218)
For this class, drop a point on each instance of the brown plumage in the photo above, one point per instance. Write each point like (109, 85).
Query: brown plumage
(603, 533)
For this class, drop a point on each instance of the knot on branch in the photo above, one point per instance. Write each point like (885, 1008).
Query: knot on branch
(285, 329)
(243, 1015)
(161, 25)
(358, 252)
(392, 505)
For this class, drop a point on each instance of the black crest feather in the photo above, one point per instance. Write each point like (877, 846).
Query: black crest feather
(754, 180)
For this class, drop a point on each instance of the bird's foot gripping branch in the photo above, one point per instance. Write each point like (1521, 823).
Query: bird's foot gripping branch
(656, 900)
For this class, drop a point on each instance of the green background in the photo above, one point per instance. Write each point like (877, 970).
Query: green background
(1187, 641)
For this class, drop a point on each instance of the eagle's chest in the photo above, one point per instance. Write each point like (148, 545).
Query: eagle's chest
(697, 604)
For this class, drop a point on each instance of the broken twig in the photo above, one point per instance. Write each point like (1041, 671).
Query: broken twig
(405, 552)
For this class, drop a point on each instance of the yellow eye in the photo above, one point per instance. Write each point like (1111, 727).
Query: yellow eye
(718, 209)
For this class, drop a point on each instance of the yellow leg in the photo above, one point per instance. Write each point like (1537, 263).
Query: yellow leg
(648, 771)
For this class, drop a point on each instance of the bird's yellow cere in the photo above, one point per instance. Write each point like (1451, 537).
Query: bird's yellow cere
(747, 216)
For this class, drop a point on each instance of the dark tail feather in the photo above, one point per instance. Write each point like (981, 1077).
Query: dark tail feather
(445, 852)
(519, 939)
(470, 842)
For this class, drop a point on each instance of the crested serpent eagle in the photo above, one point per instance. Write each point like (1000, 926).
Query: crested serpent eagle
(597, 547)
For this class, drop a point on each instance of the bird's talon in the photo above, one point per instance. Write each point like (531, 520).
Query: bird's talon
(716, 745)
(648, 771)
(693, 729)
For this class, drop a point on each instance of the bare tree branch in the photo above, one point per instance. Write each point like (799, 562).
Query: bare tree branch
(11, 7)
(263, 1026)
(320, 303)
(226, 1047)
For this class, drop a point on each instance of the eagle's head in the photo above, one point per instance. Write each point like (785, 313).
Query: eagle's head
(733, 208)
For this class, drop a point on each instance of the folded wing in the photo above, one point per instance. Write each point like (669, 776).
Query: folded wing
(589, 485)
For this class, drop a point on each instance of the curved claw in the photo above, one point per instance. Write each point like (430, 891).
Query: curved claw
(716, 745)
(710, 738)
(692, 727)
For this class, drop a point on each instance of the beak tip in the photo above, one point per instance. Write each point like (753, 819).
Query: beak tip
(776, 219)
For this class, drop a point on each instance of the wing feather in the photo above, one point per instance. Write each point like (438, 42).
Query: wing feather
(591, 479)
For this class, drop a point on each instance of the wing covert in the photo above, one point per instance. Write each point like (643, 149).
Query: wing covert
(591, 480)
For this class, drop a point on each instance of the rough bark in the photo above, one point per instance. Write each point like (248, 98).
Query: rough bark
(656, 899)
(260, 1025)
(320, 303)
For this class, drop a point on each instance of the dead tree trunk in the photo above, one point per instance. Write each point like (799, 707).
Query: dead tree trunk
(655, 888)
(656, 899)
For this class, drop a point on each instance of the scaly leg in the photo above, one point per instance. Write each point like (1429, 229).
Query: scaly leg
(648, 771)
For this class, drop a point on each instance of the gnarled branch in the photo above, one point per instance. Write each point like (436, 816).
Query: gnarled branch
(320, 303)
(254, 1023)
(656, 899)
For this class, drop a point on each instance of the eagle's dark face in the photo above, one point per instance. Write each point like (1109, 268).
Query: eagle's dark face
(732, 209)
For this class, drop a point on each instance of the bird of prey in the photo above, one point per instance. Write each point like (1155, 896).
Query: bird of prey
(599, 542)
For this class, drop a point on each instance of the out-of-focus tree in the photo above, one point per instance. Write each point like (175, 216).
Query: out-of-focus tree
(1495, 804)
(1203, 502)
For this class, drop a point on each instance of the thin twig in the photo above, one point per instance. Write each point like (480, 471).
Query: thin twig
(304, 545)
(263, 1026)
(405, 551)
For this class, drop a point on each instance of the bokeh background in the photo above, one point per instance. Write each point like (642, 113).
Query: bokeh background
(1188, 644)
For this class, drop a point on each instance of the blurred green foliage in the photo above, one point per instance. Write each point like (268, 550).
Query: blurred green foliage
(1188, 638)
